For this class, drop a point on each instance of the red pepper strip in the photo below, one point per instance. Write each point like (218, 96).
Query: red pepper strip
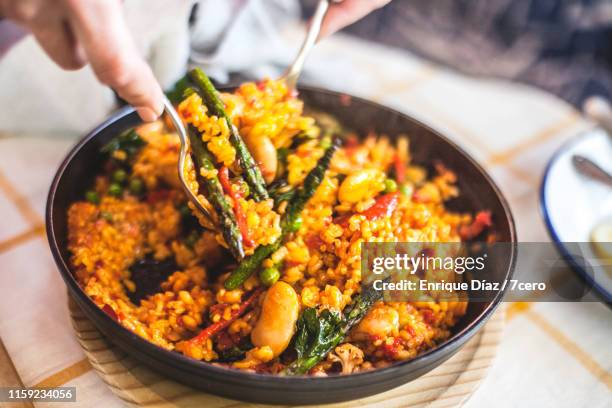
(215, 328)
(383, 207)
(108, 309)
(238, 212)
(400, 169)
(481, 221)
(392, 350)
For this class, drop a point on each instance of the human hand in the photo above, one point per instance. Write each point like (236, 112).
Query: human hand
(347, 12)
(76, 32)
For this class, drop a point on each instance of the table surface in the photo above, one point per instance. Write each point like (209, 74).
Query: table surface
(552, 354)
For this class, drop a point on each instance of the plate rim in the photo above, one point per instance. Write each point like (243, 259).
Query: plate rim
(544, 211)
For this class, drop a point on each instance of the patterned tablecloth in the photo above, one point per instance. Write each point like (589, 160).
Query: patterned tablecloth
(553, 354)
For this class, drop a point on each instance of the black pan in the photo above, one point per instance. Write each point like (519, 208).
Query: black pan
(478, 191)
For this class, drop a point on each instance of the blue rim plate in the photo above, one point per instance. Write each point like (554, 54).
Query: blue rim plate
(597, 145)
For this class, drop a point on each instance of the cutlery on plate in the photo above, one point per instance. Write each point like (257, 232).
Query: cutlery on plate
(591, 170)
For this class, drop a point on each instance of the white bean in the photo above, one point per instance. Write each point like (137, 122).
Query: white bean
(279, 313)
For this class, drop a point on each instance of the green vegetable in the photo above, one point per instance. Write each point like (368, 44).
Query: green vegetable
(311, 183)
(269, 276)
(128, 141)
(115, 189)
(390, 186)
(236, 352)
(244, 188)
(119, 176)
(293, 211)
(317, 335)
(107, 216)
(249, 264)
(325, 142)
(177, 94)
(136, 186)
(92, 197)
(297, 223)
(282, 154)
(214, 194)
(250, 169)
(281, 191)
(406, 189)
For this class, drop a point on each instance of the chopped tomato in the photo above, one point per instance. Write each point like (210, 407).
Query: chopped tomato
(108, 309)
(480, 223)
(313, 241)
(216, 328)
(428, 316)
(391, 350)
(383, 207)
(238, 211)
(351, 142)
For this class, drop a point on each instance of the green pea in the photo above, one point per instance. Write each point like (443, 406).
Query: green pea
(136, 186)
(119, 176)
(107, 216)
(92, 197)
(244, 189)
(269, 276)
(296, 224)
(115, 189)
(390, 186)
(325, 143)
(406, 189)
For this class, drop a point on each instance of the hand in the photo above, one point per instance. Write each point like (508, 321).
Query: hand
(347, 12)
(76, 32)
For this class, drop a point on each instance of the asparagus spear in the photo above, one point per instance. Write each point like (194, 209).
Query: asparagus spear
(214, 193)
(177, 93)
(294, 209)
(318, 335)
(251, 171)
(311, 183)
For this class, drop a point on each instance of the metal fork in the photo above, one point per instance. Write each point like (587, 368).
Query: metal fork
(184, 138)
(295, 69)
(291, 76)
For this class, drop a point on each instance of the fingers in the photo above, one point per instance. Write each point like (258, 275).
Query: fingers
(347, 12)
(57, 40)
(44, 19)
(101, 29)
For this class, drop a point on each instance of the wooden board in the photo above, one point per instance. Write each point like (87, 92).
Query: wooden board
(449, 385)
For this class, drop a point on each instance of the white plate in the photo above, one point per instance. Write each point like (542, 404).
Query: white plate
(572, 204)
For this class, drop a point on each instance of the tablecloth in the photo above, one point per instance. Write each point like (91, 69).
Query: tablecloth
(552, 354)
